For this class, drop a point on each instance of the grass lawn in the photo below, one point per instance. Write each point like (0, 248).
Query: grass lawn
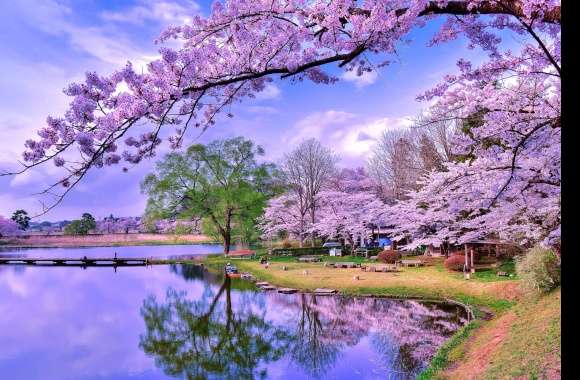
(522, 340)
(431, 281)
(522, 343)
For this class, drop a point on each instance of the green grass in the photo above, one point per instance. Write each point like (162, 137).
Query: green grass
(330, 259)
(431, 282)
(532, 348)
(449, 351)
(489, 275)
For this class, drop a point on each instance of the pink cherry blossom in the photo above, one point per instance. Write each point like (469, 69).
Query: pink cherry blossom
(509, 181)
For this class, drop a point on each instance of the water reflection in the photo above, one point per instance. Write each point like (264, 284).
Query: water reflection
(223, 334)
(207, 339)
(315, 343)
(166, 322)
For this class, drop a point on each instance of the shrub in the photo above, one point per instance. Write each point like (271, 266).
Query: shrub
(539, 270)
(455, 262)
(389, 256)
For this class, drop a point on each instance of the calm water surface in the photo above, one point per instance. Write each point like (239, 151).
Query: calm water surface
(179, 321)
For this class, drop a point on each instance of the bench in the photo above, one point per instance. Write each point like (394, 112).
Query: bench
(361, 252)
(380, 268)
(412, 263)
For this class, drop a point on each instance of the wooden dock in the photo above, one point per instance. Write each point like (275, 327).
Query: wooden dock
(76, 261)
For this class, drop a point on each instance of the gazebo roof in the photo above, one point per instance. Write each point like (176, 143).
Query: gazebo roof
(490, 241)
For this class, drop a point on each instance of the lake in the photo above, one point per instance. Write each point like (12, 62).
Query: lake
(181, 321)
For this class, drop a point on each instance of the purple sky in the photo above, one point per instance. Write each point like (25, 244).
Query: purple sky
(47, 44)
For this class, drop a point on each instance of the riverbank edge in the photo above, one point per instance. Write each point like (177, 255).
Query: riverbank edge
(112, 244)
(480, 312)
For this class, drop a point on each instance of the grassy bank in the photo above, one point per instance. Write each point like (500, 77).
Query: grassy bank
(521, 340)
(432, 281)
(104, 240)
(522, 343)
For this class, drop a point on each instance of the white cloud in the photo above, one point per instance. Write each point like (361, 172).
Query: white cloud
(320, 125)
(270, 91)
(107, 44)
(33, 90)
(163, 12)
(367, 78)
(261, 110)
(350, 135)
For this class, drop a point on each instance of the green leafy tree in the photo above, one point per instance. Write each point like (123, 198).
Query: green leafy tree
(74, 228)
(82, 226)
(207, 338)
(220, 182)
(88, 222)
(21, 217)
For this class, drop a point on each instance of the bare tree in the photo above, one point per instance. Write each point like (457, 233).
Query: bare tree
(400, 157)
(440, 132)
(306, 170)
(431, 159)
(395, 163)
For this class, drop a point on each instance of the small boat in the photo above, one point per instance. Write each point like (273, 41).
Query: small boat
(234, 275)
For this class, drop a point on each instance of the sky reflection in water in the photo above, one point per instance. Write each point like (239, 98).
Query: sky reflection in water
(179, 321)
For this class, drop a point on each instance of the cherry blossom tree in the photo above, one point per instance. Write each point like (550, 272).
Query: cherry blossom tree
(111, 224)
(509, 181)
(345, 206)
(349, 207)
(8, 227)
(506, 180)
(286, 214)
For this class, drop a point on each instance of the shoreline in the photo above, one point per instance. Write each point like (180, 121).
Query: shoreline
(105, 240)
(104, 245)
(492, 305)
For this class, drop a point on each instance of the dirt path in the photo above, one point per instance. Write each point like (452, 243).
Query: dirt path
(480, 350)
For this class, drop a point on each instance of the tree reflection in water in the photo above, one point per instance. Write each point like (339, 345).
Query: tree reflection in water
(312, 345)
(190, 272)
(211, 338)
(205, 339)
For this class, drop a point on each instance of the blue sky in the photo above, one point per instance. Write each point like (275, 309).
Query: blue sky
(44, 45)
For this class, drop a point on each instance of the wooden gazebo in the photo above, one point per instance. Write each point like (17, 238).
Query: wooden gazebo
(493, 247)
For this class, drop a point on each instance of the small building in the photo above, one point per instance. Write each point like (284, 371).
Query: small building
(492, 247)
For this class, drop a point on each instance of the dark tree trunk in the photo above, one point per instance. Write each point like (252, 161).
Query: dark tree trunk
(227, 239)
(227, 232)
(312, 219)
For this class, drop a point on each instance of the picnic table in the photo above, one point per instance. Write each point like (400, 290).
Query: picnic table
(345, 264)
(380, 268)
(412, 262)
(361, 251)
